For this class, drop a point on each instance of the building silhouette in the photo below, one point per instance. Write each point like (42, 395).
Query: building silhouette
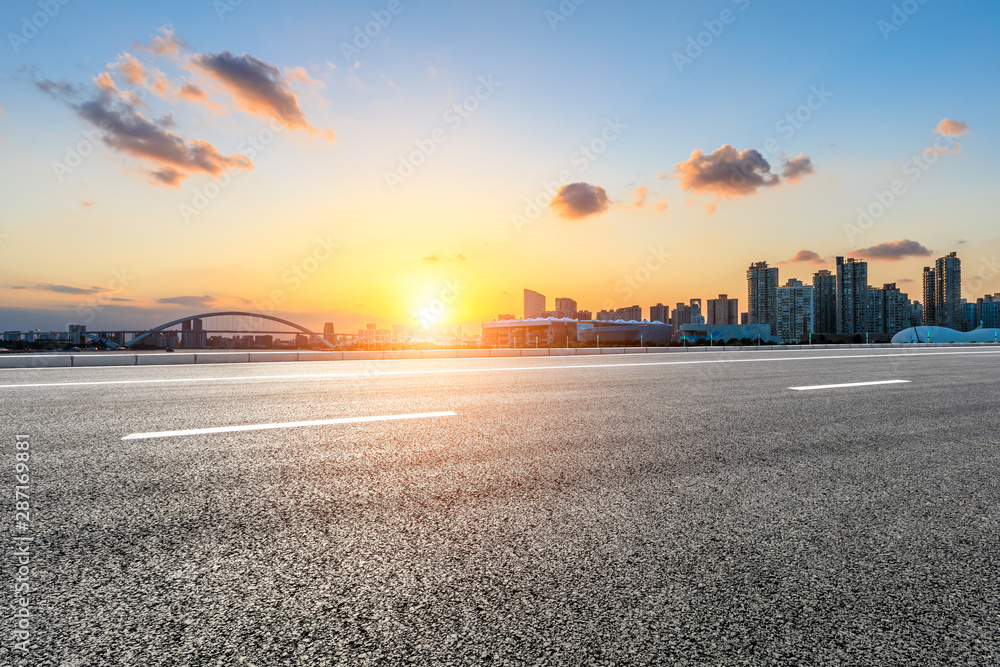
(948, 292)
(824, 302)
(762, 286)
(796, 311)
(988, 312)
(930, 298)
(659, 313)
(852, 285)
(565, 307)
(723, 310)
(534, 304)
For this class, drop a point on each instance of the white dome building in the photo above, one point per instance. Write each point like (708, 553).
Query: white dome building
(944, 335)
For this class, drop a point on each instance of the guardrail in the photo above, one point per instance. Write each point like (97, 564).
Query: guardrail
(114, 358)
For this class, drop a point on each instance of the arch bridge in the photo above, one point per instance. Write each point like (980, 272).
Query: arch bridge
(252, 317)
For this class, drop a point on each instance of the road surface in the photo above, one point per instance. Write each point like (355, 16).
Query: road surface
(824, 507)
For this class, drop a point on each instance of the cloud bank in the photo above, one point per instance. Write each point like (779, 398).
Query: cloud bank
(258, 88)
(113, 102)
(807, 256)
(728, 172)
(188, 301)
(892, 251)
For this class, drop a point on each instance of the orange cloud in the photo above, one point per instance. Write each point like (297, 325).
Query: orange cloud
(257, 87)
(104, 82)
(951, 128)
(807, 256)
(166, 43)
(797, 167)
(941, 150)
(125, 129)
(300, 74)
(579, 200)
(137, 74)
(726, 172)
(195, 94)
(893, 250)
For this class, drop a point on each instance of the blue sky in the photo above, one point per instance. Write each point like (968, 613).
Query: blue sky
(557, 87)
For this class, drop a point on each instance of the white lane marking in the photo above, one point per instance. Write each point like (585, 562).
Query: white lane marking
(260, 427)
(850, 384)
(428, 371)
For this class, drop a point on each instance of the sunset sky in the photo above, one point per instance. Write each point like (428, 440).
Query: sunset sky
(162, 161)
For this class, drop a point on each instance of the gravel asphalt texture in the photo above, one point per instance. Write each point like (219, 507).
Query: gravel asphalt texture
(625, 510)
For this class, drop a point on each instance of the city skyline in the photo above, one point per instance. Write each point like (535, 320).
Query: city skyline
(286, 177)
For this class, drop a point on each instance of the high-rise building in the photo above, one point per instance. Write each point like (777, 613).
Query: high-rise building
(887, 310)
(852, 284)
(987, 312)
(328, 333)
(723, 310)
(796, 312)
(762, 285)
(584, 315)
(659, 313)
(930, 298)
(697, 317)
(534, 304)
(968, 316)
(680, 316)
(896, 310)
(629, 313)
(824, 302)
(564, 307)
(916, 314)
(948, 292)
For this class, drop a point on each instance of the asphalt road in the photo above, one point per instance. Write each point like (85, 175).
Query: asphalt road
(675, 509)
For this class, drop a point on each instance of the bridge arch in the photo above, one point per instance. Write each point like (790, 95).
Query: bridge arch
(191, 318)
